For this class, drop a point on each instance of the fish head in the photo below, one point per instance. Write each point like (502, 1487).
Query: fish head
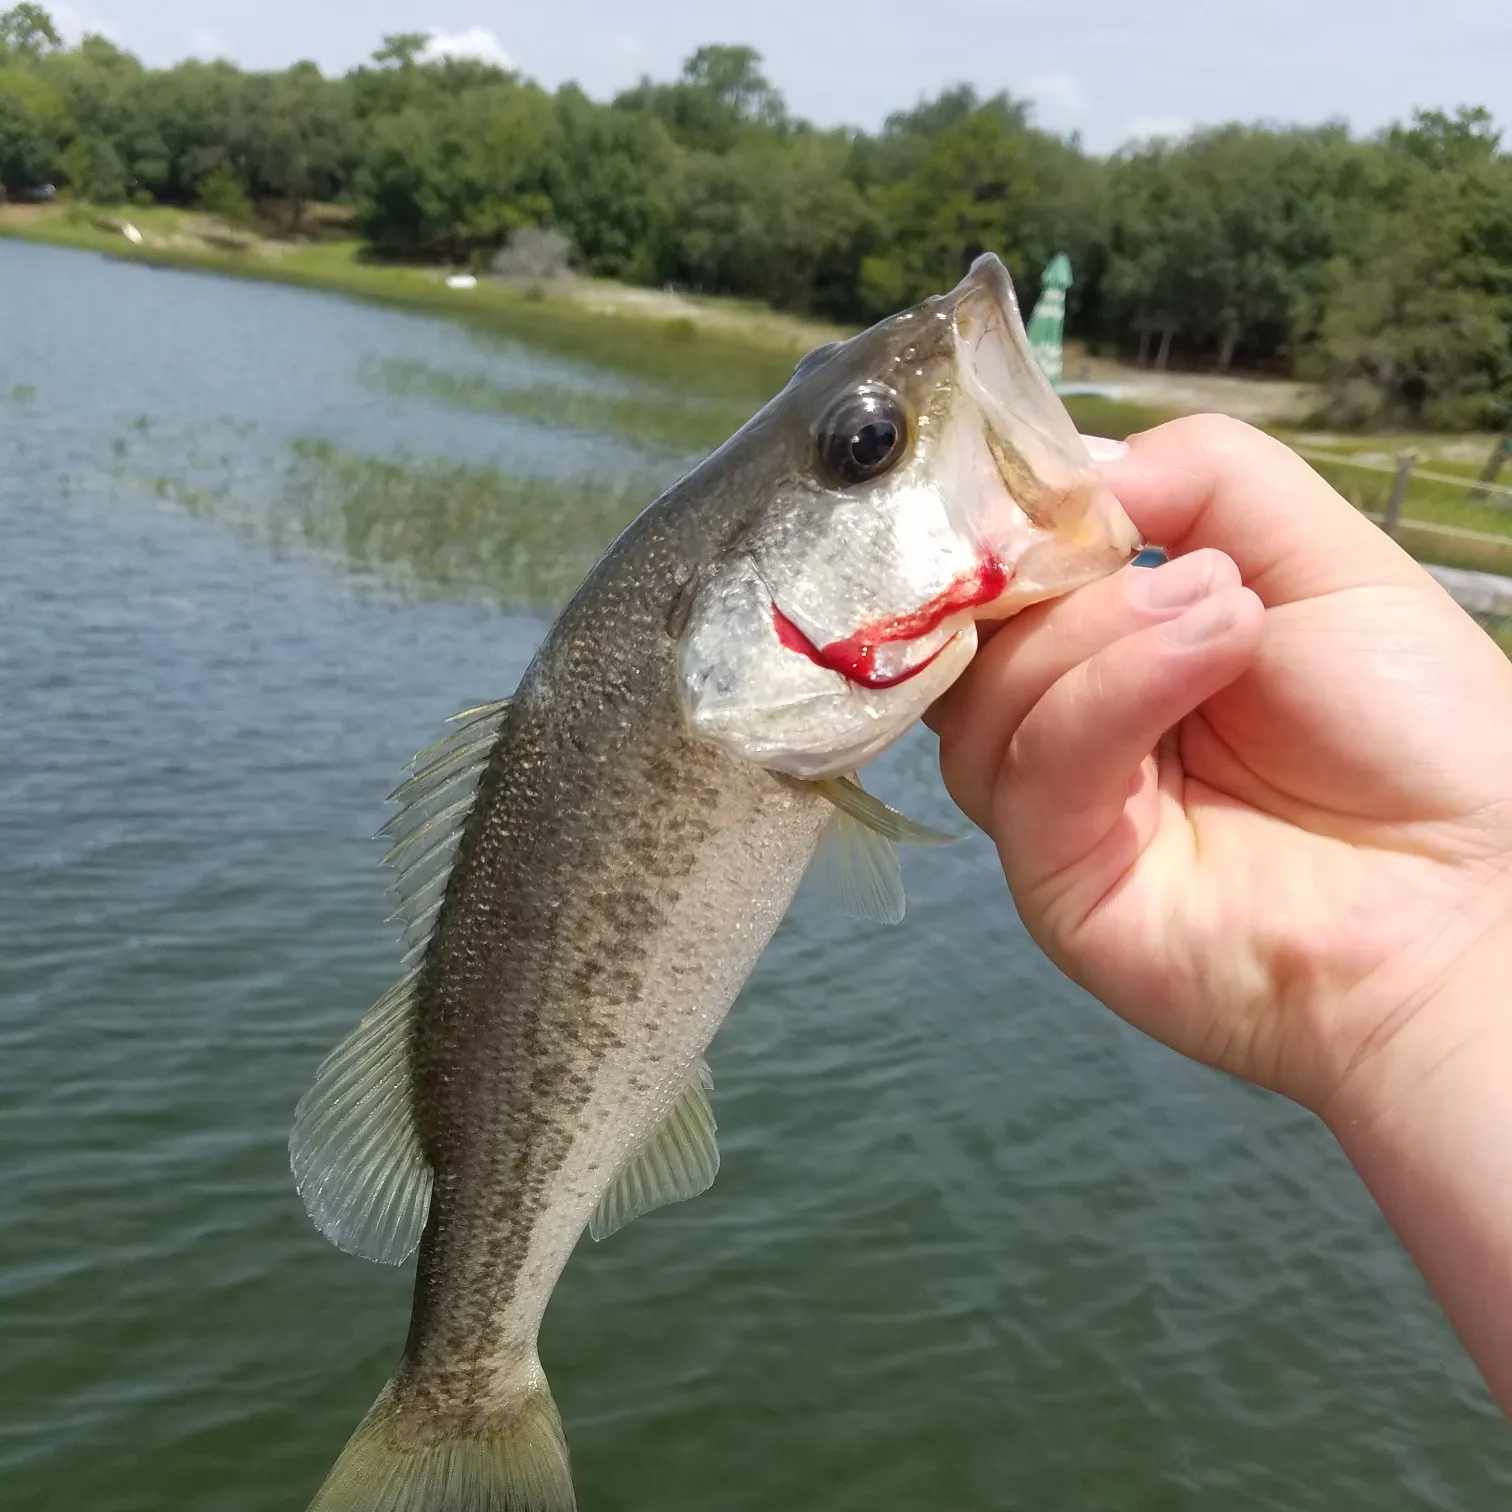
(909, 482)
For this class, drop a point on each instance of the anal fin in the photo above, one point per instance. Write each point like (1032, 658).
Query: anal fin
(679, 1160)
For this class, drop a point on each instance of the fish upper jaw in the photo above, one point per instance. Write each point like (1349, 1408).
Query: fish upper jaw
(1035, 501)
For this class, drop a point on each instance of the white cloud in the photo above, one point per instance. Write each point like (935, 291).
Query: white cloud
(1060, 104)
(476, 42)
(1157, 128)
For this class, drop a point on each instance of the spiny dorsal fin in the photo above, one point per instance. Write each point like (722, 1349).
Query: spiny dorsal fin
(437, 800)
(354, 1151)
(679, 1160)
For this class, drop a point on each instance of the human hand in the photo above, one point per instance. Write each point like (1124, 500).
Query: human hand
(1269, 824)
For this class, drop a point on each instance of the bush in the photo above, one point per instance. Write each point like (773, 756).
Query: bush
(94, 170)
(222, 193)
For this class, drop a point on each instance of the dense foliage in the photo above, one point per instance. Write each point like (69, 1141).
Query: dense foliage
(1383, 266)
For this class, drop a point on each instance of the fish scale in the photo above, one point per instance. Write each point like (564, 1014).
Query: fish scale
(590, 872)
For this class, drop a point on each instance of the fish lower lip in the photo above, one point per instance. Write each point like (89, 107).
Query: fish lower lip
(854, 659)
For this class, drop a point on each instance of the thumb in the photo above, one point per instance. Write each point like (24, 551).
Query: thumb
(1075, 804)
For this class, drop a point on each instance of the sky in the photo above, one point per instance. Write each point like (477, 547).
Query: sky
(1110, 69)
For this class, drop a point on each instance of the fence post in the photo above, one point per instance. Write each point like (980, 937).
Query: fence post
(1398, 493)
(1500, 454)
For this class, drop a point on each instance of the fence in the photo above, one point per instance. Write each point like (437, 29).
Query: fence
(1461, 546)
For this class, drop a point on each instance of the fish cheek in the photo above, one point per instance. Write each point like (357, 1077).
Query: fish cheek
(746, 691)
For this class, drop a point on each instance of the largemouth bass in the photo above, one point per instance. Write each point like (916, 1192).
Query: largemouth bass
(589, 870)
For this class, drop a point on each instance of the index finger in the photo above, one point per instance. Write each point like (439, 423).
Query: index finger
(1207, 480)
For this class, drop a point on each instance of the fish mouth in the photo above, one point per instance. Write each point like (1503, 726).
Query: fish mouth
(890, 651)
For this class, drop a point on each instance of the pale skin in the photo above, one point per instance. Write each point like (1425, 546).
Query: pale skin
(1259, 802)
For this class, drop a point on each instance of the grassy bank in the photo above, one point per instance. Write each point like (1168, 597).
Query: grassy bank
(1443, 518)
(676, 352)
(706, 370)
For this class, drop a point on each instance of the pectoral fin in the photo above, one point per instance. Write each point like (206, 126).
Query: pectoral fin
(356, 1156)
(851, 798)
(856, 864)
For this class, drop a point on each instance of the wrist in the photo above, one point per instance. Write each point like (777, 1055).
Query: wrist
(1425, 1121)
(1455, 1022)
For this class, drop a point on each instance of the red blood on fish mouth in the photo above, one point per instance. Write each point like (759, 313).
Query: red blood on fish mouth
(855, 657)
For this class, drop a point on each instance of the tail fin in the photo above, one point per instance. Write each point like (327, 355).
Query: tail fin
(518, 1463)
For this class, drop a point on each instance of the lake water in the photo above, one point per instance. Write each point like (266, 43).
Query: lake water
(974, 1245)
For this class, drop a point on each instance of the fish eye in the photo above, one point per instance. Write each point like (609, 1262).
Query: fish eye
(862, 434)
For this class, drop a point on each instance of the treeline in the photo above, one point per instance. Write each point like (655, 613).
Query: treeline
(1383, 266)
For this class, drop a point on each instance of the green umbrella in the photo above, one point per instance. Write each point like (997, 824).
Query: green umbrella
(1048, 322)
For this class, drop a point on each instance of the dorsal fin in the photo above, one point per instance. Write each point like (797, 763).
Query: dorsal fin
(437, 798)
(354, 1150)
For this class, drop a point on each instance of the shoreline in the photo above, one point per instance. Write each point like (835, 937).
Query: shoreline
(677, 352)
(714, 346)
(695, 346)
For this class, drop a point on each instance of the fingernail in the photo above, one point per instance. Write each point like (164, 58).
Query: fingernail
(1182, 580)
(1206, 622)
(1101, 449)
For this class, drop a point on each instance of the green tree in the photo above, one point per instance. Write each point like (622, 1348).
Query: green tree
(608, 178)
(1417, 322)
(401, 49)
(455, 179)
(969, 189)
(721, 97)
(301, 138)
(185, 122)
(1227, 235)
(28, 155)
(94, 170)
(26, 33)
(222, 193)
(779, 222)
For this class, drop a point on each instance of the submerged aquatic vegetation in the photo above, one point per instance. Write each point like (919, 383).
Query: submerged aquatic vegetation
(524, 541)
(649, 417)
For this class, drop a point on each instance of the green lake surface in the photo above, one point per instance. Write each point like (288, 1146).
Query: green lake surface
(975, 1244)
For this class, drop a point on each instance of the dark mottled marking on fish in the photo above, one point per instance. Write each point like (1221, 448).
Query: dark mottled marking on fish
(644, 810)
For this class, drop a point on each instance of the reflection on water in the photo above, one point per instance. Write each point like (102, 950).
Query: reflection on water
(974, 1244)
(646, 417)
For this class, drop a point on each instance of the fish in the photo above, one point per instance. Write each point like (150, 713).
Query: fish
(588, 871)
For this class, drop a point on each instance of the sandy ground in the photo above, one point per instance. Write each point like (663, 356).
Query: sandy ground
(1258, 400)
